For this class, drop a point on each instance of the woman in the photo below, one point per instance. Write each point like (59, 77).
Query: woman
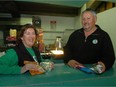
(13, 60)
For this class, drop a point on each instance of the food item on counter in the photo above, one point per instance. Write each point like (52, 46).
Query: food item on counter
(33, 72)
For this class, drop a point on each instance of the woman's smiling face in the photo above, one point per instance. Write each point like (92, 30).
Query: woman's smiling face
(29, 37)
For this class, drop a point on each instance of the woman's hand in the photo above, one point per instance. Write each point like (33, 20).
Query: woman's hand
(73, 63)
(29, 66)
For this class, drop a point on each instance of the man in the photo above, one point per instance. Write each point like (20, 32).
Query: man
(89, 45)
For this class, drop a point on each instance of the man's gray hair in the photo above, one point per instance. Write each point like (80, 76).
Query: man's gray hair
(90, 10)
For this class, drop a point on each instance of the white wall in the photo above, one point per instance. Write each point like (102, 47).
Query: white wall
(107, 21)
(62, 23)
(78, 23)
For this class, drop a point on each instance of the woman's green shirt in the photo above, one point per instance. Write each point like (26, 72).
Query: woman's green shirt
(9, 62)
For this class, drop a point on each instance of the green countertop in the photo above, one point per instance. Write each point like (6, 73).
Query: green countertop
(62, 75)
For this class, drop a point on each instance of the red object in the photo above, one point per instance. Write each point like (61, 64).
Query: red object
(10, 38)
(41, 47)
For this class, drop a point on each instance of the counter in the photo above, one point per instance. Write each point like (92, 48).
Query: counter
(62, 75)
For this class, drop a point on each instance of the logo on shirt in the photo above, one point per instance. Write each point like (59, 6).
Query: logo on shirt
(95, 41)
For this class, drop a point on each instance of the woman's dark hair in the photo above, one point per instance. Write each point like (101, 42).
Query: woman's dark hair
(23, 29)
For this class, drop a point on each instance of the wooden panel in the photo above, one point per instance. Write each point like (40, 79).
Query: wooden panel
(109, 5)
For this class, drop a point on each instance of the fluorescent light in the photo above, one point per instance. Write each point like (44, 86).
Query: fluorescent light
(57, 52)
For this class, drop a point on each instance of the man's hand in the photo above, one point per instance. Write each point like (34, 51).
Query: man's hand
(103, 66)
(73, 63)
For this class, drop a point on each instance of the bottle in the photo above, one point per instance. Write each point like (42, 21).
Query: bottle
(58, 49)
(58, 43)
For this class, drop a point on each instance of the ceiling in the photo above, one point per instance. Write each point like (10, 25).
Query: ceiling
(72, 3)
(43, 7)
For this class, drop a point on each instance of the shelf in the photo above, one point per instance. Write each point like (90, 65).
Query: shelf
(53, 31)
(49, 39)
